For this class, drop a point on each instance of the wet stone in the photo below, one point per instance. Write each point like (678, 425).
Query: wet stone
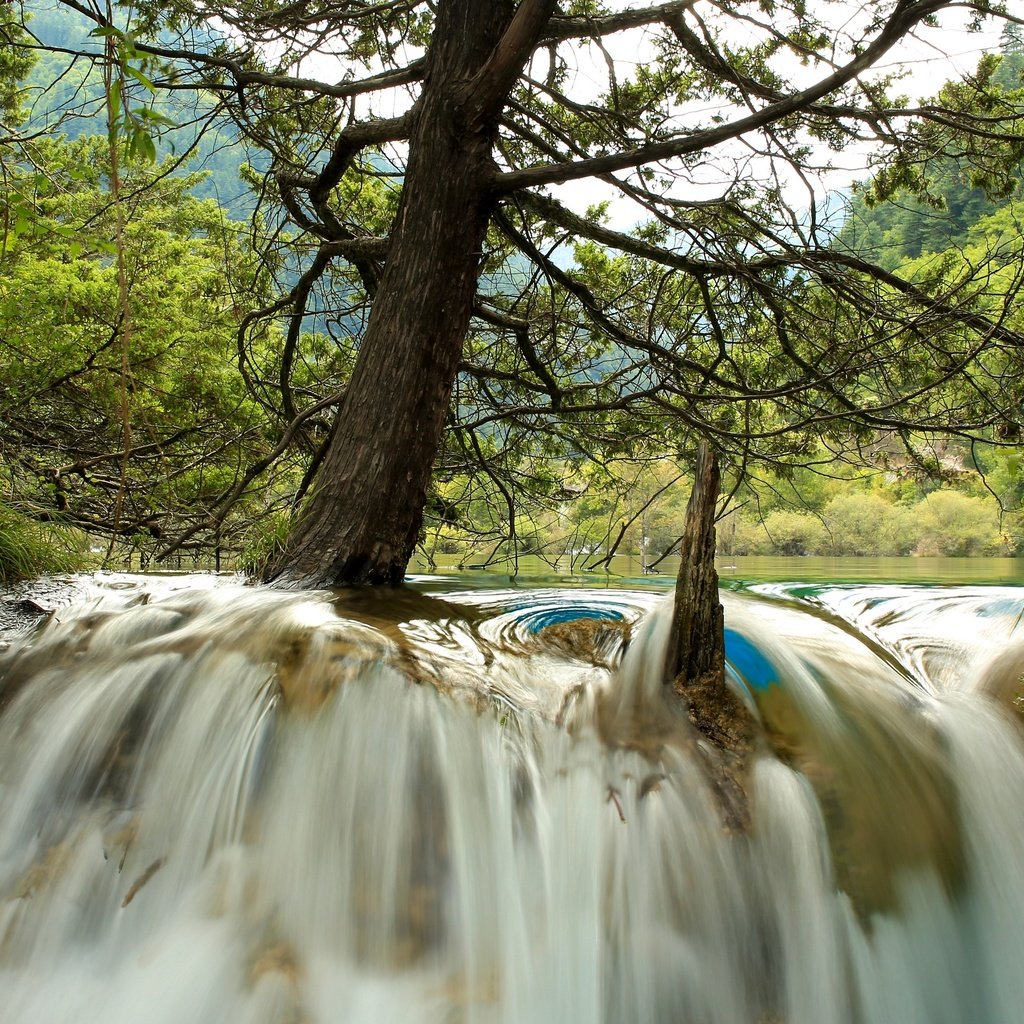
(599, 641)
(314, 662)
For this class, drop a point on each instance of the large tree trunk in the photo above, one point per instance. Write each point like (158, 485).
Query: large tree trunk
(362, 520)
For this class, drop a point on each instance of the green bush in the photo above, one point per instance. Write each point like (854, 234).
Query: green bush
(738, 535)
(862, 523)
(264, 543)
(795, 533)
(951, 523)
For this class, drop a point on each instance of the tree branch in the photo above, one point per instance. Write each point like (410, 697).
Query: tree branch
(228, 499)
(562, 29)
(907, 14)
(243, 77)
(493, 82)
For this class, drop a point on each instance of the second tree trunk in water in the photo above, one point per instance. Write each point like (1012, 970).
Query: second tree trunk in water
(696, 649)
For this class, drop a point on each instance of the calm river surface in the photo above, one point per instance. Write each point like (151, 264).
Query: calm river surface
(628, 571)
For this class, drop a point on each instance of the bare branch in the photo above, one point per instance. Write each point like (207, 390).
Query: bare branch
(561, 29)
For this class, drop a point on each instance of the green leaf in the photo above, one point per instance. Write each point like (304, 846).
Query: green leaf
(139, 77)
(154, 116)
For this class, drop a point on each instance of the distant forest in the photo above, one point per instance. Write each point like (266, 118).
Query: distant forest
(890, 225)
(73, 98)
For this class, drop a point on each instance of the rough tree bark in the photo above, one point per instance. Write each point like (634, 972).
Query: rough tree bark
(696, 649)
(695, 659)
(362, 520)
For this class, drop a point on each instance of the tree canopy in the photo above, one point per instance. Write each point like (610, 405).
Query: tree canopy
(584, 230)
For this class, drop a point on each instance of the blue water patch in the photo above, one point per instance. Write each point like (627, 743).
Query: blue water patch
(542, 618)
(747, 661)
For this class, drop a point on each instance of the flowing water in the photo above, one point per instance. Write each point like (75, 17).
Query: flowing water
(226, 804)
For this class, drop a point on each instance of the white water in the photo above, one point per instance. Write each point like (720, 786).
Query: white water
(221, 804)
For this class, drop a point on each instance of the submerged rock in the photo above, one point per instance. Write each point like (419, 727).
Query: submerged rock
(599, 641)
(313, 662)
(276, 976)
(883, 781)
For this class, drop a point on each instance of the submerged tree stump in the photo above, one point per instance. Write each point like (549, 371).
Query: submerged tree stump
(695, 657)
(696, 647)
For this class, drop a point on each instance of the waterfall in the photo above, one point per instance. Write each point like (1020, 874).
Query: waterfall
(222, 804)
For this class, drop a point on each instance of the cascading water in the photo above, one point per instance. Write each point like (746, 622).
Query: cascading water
(225, 804)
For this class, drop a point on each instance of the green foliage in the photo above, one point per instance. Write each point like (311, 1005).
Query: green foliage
(263, 543)
(15, 64)
(29, 549)
(794, 533)
(864, 523)
(956, 524)
(859, 521)
(67, 383)
(595, 358)
(128, 122)
(640, 513)
(928, 197)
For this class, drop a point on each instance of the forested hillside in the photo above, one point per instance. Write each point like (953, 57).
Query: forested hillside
(70, 99)
(951, 193)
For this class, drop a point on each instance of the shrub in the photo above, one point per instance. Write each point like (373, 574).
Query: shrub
(795, 533)
(861, 523)
(956, 524)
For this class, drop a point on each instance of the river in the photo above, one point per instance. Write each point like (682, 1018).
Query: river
(627, 570)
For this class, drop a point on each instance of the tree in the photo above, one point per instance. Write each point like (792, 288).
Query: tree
(1010, 74)
(721, 312)
(65, 391)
